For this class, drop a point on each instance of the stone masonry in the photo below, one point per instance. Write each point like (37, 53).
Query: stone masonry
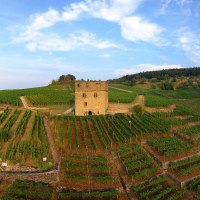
(91, 98)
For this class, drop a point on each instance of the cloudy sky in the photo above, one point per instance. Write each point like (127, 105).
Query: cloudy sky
(95, 39)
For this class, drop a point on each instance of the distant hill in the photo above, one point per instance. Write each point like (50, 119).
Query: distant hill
(158, 75)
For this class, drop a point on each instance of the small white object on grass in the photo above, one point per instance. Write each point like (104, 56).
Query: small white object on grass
(45, 159)
(4, 164)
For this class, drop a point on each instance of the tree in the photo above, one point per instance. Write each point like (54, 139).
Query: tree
(61, 78)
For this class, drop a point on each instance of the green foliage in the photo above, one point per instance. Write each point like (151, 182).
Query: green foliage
(160, 75)
(85, 168)
(167, 85)
(169, 146)
(120, 96)
(137, 163)
(157, 101)
(158, 188)
(137, 109)
(5, 131)
(63, 79)
(50, 95)
(92, 194)
(194, 185)
(28, 190)
(35, 146)
(186, 166)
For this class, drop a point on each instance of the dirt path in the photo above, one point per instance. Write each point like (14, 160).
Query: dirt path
(160, 109)
(120, 89)
(139, 100)
(56, 157)
(26, 104)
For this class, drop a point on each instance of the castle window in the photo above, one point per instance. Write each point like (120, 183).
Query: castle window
(84, 95)
(85, 104)
(78, 85)
(95, 95)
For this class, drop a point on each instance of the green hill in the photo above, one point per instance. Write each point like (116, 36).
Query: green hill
(159, 75)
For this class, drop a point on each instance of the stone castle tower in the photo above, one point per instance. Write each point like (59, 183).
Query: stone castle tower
(91, 97)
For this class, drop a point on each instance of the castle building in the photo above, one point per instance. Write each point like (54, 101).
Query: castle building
(91, 98)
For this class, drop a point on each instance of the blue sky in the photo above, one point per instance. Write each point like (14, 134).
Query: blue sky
(95, 39)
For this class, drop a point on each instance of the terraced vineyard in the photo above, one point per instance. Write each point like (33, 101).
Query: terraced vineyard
(169, 146)
(159, 188)
(137, 163)
(87, 172)
(187, 167)
(97, 194)
(113, 157)
(194, 185)
(191, 133)
(28, 190)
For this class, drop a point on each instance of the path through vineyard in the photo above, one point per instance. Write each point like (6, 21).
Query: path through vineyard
(24, 101)
(26, 104)
(120, 89)
(52, 146)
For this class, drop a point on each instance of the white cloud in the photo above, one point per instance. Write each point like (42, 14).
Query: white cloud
(110, 10)
(117, 11)
(53, 42)
(190, 43)
(113, 10)
(144, 68)
(137, 29)
(86, 38)
(44, 20)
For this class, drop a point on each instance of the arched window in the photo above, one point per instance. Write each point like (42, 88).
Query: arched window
(85, 104)
(95, 95)
(84, 95)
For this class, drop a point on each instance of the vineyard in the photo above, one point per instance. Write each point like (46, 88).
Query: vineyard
(191, 133)
(87, 172)
(159, 188)
(137, 163)
(194, 185)
(50, 95)
(187, 167)
(138, 155)
(120, 96)
(28, 190)
(104, 132)
(23, 137)
(169, 146)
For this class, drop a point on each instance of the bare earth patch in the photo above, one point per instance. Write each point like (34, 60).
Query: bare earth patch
(120, 89)
(139, 100)
(160, 109)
